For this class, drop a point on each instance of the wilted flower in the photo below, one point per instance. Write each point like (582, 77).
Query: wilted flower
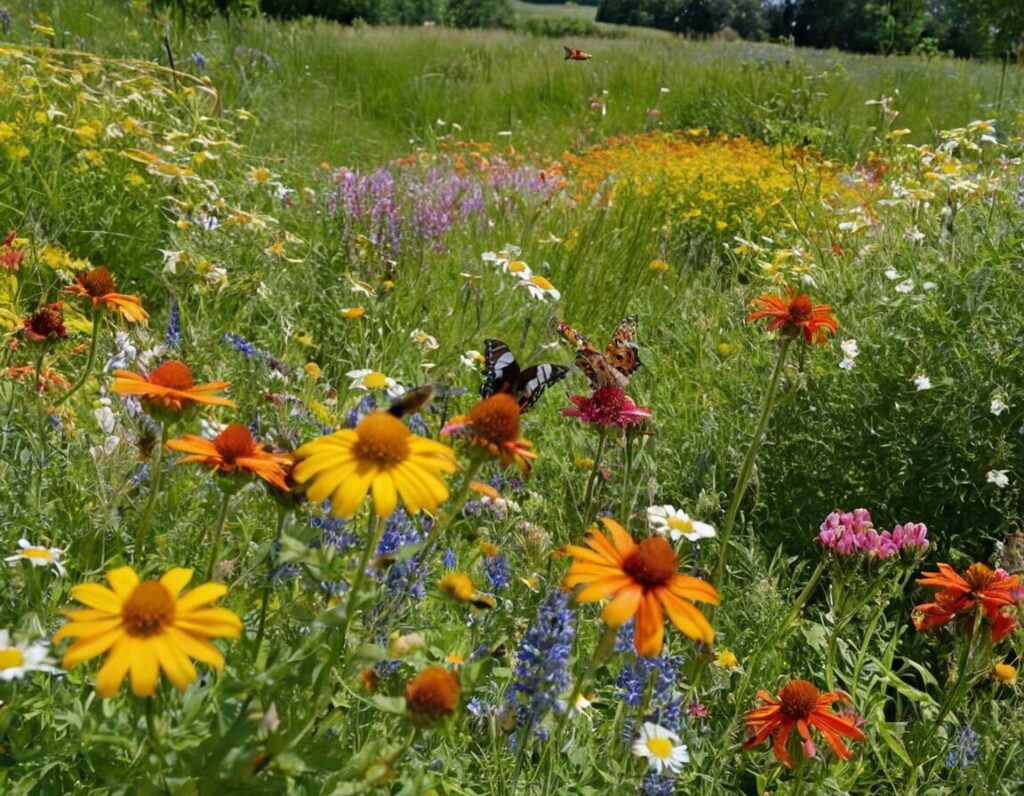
(46, 325)
(423, 341)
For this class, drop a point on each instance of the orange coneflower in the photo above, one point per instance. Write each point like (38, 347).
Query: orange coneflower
(802, 706)
(793, 314)
(959, 596)
(169, 387)
(432, 695)
(98, 286)
(493, 424)
(234, 450)
(644, 582)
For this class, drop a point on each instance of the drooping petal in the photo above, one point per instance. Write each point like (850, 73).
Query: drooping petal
(624, 606)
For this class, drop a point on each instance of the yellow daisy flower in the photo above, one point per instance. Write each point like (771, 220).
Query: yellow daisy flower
(145, 627)
(380, 453)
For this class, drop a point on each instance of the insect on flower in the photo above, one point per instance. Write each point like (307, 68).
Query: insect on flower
(619, 361)
(504, 375)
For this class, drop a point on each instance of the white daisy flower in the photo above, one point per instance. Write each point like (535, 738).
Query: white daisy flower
(17, 660)
(892, 273)
(366, 379)
(38, 556)
(472, 359)
(676, 523)
(423, 341)
(922, 382)
(661, 747)
(997, 477)
(540, 288)
(850, 352)
(998, 406)
(906, 286)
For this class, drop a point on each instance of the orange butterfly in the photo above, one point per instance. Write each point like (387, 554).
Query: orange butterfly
(572, 54)
(616, 365)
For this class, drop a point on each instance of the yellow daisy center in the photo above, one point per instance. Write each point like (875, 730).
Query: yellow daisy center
(148, 609)
(660, 748)
(542, 283)
(37, 552)
(10, 658)
(516, 266)
(681, 525)
(383, 439)
(375, 381)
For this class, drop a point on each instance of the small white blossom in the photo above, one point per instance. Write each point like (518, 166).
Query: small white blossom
(676, 523)
(423, 341)
(998, 406)
(17, 660)
(906, 286)
(38, 556)
(661, 747)
(922, 382)
(997, 477)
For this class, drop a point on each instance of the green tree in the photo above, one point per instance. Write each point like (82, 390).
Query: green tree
(479, 13)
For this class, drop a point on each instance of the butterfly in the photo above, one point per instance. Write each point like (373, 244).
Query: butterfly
(615, 366)
(572, 54)
(503, 374)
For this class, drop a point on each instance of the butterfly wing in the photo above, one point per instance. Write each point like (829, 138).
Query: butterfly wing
(622, 351)
(595, 365)
(502, 369)
(568, 52)
(534, 380)
(412, 400)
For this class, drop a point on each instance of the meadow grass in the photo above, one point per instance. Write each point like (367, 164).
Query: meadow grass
(251, 258)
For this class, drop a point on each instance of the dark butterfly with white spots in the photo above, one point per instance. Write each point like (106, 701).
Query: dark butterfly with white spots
(526, 385)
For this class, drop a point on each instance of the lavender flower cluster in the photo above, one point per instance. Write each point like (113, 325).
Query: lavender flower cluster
(848, 533)
(393, 209)
(542, 663)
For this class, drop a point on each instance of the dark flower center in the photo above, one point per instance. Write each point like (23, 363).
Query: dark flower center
(800, 308)
(234, 442)
(174, 375)
(47, 321)
(98, 282)
(798, 698)
(652, 564)
(148, 609)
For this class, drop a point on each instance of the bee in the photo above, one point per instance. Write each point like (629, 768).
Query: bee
(412, 401)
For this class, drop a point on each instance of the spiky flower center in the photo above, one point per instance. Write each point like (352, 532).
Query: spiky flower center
(234, 442)
(798, 698)
(652, 564)
(98, 282)
(174, 375)
(433, 693)
(383, 439)
(979, 577)
(496, 419)
(48, 320)
(148, 610)
(800, 308)
(10, 658)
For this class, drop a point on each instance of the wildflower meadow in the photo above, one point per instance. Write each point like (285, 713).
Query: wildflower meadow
(424, 411)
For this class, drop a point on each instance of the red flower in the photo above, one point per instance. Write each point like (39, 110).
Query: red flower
(800, 705)
(960, 596)
(608, 406)
(10, 258)
(794, 315)
(46, 324)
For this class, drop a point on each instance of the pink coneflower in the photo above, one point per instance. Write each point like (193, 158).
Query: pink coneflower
(608, 406)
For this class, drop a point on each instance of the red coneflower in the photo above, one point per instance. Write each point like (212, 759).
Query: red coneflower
(607, 406)
(47, 324)
(99, 287)
(432, 695)
(802, 706)
(959, 596)
(234, 450)
(794, 315)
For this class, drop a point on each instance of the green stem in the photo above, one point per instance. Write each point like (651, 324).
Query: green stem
(862, 651)
(155, 472)
(151, 729)
(41, 434)
(627, 504)
(588, 497)
(748, 462)
(90, 363)
(217, 534)
(282, 518)
(454, 507)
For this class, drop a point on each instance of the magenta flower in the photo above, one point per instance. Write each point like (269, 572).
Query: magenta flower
(608, 406)
(850, 533)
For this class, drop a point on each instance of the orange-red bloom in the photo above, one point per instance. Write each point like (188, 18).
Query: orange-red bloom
(960, 596)
(10, 258)
(47, 377)
(800, 705)
(432, 695)
(794, 315)
(169, 388)
(494, 425)
(46, 324)
(99, 287)
(234, 450)
(643, 581)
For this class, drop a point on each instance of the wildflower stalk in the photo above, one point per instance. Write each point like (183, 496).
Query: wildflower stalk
(841, 625)
(40, 433)
(218, 533)
(588, 497)
(748, 463)
(453, 509)
(154, 492)
(627, 503)
(90, 362)
(282, 518)
(870, 632)
(152, 732)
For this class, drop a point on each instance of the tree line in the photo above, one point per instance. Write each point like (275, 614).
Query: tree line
(961, 27)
